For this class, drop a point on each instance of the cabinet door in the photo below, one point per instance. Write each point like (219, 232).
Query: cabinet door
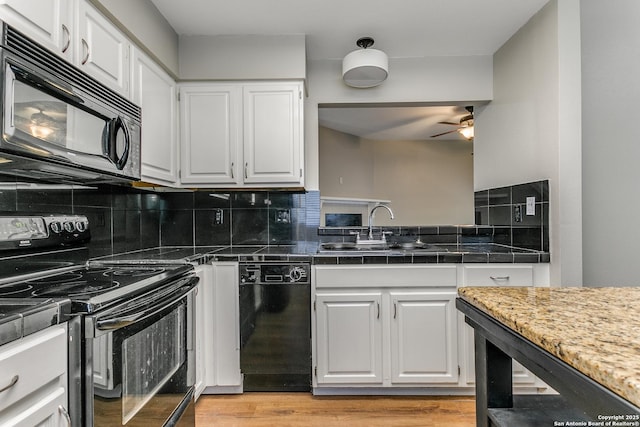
(203, 326)
(225, 326)
(423, 337)
(155, 92)
(46, 409)
(349, 338)
(209, 123)
(46, 21)
(273, 133)
(101, 49)
(494, 275)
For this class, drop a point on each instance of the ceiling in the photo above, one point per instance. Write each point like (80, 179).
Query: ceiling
(393, 123)
(401, 28)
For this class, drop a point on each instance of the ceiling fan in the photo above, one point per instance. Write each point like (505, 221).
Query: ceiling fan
(465, 126)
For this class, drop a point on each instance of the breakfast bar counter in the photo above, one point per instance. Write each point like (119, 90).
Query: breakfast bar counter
(583, 342)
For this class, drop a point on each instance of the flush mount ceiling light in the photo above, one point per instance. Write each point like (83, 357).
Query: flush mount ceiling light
(365, 67)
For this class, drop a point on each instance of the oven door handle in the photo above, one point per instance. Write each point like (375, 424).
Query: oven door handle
(155, 304)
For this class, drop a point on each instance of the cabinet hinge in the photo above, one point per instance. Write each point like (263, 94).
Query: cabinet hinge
(458, 370)
(315, 371)
(300, 172)
(178, 95)
(314, 305)
(299, 94)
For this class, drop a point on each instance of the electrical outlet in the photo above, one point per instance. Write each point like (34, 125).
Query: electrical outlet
(283, 216)
(218, 217)
(517, 213)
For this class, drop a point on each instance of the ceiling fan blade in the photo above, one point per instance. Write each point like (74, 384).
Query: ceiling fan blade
(443, 133)
(449, 123)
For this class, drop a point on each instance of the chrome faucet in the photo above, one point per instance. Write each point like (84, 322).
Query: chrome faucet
(371, 219)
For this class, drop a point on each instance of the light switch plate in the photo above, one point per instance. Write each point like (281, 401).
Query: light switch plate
(531, 205)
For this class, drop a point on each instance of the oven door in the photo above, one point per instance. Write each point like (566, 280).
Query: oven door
(140, 362)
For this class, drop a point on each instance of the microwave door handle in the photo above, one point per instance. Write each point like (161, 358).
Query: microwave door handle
(110, 142)
(35, 80)
(120, 320)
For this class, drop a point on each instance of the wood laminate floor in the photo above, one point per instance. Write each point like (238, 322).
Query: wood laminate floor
(303, 409)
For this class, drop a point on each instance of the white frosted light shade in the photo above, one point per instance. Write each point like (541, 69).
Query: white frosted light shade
(365, 68)
(467, 132)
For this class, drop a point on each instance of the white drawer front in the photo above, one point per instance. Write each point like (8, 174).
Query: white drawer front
(481, 275)
(35, 360)
(355, 276)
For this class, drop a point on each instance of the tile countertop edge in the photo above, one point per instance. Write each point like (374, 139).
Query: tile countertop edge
(594, 330)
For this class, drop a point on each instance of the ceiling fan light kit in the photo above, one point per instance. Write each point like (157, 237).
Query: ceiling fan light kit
(364, 68)
(465, 126)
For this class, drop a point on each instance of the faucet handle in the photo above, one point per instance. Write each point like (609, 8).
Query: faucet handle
(355, 233)
(385, 234)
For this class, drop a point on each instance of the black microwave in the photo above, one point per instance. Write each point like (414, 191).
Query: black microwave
(60, 124)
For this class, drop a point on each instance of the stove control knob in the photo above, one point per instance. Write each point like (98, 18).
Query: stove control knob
(69, 226)
(81, 226)
(56, 227)
(297, 273)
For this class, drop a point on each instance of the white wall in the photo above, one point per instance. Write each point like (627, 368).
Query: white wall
(531, 130)
(460, 80)
(426, 182)
(144, 24)
(242, 57)
(611, 150)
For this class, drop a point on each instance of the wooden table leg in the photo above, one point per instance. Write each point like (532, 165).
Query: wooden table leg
(494, 383)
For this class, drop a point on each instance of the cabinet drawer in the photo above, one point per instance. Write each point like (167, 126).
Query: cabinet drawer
(35, 360)
(357, 276)
(498, 276)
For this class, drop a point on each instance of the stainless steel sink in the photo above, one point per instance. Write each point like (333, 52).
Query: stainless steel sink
(352, 246)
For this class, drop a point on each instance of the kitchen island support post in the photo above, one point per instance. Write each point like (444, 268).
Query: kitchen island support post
(494, 383)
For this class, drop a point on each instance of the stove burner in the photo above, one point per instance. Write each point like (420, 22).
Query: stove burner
(13, 289)
(58, 278)
(74, 289)
(133, 272)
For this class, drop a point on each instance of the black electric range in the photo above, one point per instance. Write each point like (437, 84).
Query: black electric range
(93, 287)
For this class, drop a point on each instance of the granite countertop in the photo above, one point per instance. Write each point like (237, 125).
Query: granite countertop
(594, 330)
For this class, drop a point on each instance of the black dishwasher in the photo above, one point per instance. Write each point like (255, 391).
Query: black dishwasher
(275, 326)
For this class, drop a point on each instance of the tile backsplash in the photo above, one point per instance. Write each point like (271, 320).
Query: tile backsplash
(518, 213)
(125, 218)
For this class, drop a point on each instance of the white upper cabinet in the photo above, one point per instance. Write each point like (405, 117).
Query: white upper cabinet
(76, 31)
(242, 135)
(101, 49)
(272, 133)
(210, 120)
(155, 92)
(49, 22)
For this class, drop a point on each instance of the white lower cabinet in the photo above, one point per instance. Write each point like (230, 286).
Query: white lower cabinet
(385, 326)
(498, 275)
(218, 329)
(423, 337)
(35, 396)
(348, 338)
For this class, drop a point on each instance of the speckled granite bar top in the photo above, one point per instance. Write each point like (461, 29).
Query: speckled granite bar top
(595, 330)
